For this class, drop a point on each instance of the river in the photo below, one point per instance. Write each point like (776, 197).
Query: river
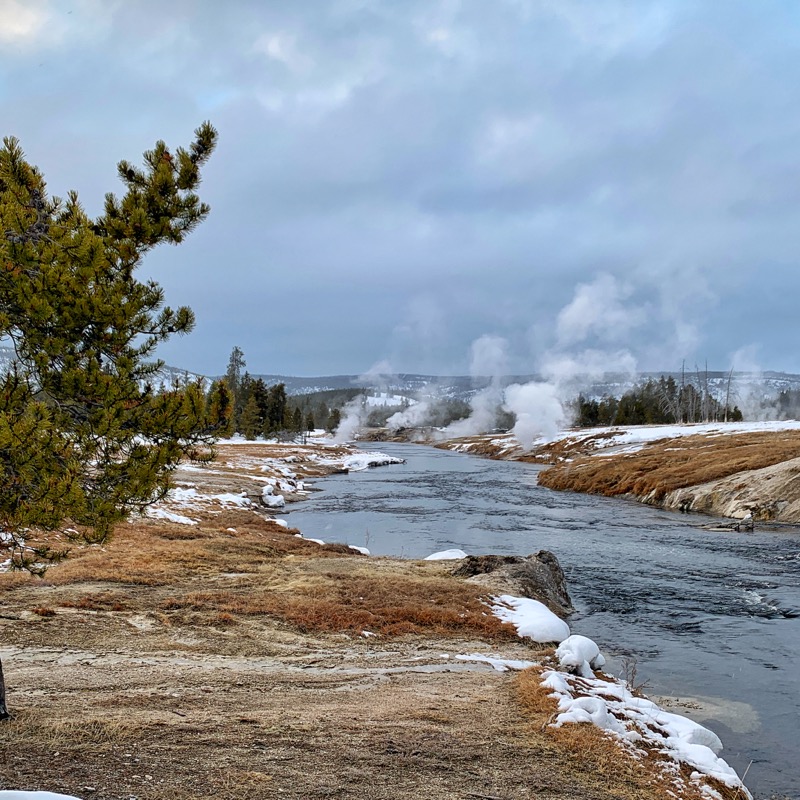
(708, 620)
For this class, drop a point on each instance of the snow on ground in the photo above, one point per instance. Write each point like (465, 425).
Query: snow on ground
(629, 439)
(446, 555)
(531, 618)
(385, 400)
(15, 795)
(607, 702)
(279, 475)
(636, 721)
(362, 461)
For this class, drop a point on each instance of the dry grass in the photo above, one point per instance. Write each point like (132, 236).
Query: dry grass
(52, 729)
(625, 774)
(667, 465)
(334, 602)
(151, 553)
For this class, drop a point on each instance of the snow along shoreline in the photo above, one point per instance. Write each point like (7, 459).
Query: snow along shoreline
(585, 695)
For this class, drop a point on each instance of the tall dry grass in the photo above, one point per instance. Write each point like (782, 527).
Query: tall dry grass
(667, 465)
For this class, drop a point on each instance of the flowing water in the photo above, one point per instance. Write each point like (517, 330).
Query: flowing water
(711, 621)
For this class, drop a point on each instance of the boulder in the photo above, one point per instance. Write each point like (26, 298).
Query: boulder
(538, 576)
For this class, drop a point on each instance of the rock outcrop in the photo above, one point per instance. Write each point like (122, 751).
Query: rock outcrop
(538, 576)
(768, 494)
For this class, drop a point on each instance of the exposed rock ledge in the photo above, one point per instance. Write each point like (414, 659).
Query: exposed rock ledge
(769, 494)
(538, 576)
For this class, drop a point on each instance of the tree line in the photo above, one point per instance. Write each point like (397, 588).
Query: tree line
(655, 402)
(257, 409)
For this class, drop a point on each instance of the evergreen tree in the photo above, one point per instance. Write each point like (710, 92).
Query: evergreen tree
(233, 377)
(276, 408)
(82, 435)
(250, 425)
(219, 408)
(334, 419)
(84, 440)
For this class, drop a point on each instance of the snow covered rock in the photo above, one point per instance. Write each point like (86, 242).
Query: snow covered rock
(580, 655)
(362, 461)
(271, 500)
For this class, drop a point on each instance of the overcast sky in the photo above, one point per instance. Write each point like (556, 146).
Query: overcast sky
(397, 178)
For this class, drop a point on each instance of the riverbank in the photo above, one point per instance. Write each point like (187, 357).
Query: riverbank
(212, 652)
(736, 470)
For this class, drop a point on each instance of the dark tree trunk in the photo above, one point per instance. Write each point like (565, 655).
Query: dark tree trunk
(3, 711)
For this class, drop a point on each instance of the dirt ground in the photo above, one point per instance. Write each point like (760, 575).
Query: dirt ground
(228, 660)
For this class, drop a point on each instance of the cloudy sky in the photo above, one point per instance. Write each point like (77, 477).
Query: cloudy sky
(604, 179)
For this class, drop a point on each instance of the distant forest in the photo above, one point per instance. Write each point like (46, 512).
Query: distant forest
(656, 402)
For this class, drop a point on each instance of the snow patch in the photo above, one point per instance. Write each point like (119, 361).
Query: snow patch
(531, 618)
(446, 555)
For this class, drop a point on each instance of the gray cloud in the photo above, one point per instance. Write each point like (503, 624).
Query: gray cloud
(396, 180)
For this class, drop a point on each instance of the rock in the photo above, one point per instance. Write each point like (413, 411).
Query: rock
(538, 576)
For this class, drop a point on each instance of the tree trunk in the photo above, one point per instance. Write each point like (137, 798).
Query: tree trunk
(3, 711)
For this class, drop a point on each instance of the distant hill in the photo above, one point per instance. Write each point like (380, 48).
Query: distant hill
(462, 387)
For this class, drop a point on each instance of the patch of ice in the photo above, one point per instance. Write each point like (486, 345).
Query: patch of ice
(531, 618)
(362, 550)
(446, 555)
(282, 522)
(500, 664)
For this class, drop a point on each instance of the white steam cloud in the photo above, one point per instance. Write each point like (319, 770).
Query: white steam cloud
(489, 360)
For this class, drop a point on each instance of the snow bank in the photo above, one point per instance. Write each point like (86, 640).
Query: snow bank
(162, 513)
(531, 618)
(609, 705)
(446, 555)
(362, 550)
(629, 439)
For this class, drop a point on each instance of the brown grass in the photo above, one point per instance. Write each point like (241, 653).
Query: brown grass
(157, 554)
(670, 464)
(388, 605)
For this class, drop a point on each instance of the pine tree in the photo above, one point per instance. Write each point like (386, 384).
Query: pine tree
(84, 439)
(334, 420)
(233, 377)
(219, 408)
(250, 425)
